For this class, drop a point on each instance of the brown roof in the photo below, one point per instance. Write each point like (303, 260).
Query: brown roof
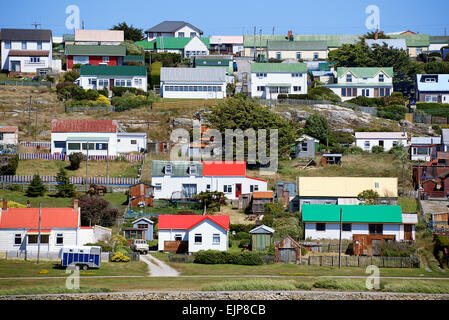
(83, 125)
(263, 194)
(9, 129)
(29, 53)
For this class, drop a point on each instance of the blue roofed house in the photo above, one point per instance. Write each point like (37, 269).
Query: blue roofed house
(175, 29)
(370, 82)
(432, 88)
(400, 44)
(142, 229)
(425, 148)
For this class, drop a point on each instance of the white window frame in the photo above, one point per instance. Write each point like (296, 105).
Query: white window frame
(214, 239)
(168, 170)
(157, 186)
(195, 238)
(59, 236)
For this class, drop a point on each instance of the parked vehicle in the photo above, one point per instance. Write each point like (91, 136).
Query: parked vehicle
(84, 257)
(140, 245)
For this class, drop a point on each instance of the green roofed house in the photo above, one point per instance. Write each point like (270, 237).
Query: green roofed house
(416, 43)
(270, 79)
(215, 61)
(99, 77)
(323, 221)
(369, 82)
(108, 55)
(134, 59)
(186, 47)
(305, 50)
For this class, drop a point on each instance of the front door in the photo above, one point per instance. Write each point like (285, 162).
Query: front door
(238, 189)
(15, 66)
(408, 236)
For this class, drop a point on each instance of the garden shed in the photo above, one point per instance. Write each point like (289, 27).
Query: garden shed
(261, 238)
(287, 251)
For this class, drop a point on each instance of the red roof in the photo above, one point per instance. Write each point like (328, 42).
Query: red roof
(186, 222)
(28, 53)
(224, 168)
(83, 125)
(9, 129)
(29, 218)
(256, 179)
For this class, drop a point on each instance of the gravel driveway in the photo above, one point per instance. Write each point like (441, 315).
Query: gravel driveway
(157, 268)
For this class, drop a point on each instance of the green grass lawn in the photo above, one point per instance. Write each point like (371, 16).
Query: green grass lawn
(409, 205)
(48, 200)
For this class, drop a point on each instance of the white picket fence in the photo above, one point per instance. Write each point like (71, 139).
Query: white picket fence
(113, 181)
(63, 157)
(42, 144)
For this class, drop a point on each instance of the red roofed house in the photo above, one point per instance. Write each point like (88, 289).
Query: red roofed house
(191, 233)
(9, 135)
(184, 179)
(19, 228)
(70, 136)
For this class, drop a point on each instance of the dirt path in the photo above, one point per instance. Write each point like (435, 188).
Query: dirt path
(157, 268)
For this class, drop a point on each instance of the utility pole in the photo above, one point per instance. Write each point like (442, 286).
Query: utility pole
(260, 42)
(39, 233)
(35, 132)
(87, 161)
(36, 25)
(29, 117)
(107, 162)
(254, 43)
(419, 179)
(339, 241)
(273, 31)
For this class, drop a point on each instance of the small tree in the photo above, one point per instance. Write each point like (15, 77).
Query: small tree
(75, 160)
(368, 197)
(36, 188)
(64, 187)
(210, 200)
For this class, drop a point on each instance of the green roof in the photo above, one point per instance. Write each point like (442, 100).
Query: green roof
(179, 168)
(320, 45)
(365, 72)
(134, 59)
(351, 213)
(68, 37)
(358, 85)
(439, 39)
(279, 67)
(124, 71)
(278, 85)
(172, 43)
(147, 45)
(333, 40)
(413, 40)
(96, 50)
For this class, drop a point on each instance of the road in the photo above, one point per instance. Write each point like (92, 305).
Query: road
(157, 268)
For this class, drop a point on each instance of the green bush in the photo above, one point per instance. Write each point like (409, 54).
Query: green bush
(223, 257)
(241, 227)
(15, 187)
(247, 258)
(76, 159)
(431, 105)
(128, 101)
(355, 150)
(244, 243)
(242, 235)
(71, 76)
(268, 220)
(377, 149)
(120, 91)
(120, 257)
(105, 247)
(282, 96)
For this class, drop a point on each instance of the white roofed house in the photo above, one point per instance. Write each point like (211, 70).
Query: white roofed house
(425, 148)
(193, 83)
(387, 140)
(368, 82)
(270, 79)
(432, 88)
(99, 37)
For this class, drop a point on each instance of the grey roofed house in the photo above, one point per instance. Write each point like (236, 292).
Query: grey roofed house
(445, 138)
(179, 168)
(171, 26)
(319, 45)
(400, 44)
(425, 140)
(190, 75)
(25, 35)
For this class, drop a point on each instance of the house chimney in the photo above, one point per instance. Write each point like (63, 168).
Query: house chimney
(289, 35)
(75, 204)
(28, 204)
(5, 205)
(376, 36)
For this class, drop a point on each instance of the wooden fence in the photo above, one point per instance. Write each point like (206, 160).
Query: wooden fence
(41, 144)
(25, 83)
(93, 108)
(64, 157)
(362, 261)
(74, 180)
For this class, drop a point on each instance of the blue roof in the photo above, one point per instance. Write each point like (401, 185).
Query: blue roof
(400, 44)
(441, 83)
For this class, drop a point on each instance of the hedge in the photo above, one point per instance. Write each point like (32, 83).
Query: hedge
(223, 257)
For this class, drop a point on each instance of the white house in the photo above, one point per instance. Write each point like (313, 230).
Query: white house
(387, 140)
(198, 232)
(175, 29)
(193, 83)
(323, 221)
(425, 148)
(9, 135)
(99, 37)
(103, 137)
(26, 50)
(432, 88)
(19, 229)
(99, 77)
(368, 82)
(184, 179)
(226, 44)
(270, 79)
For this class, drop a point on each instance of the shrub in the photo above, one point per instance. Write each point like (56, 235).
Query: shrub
(8, 165)
(282, 96)
(268, 220)
(269, 251)
(242, 235)
(120, 257)
(246, 258)
(355, 150)
(128, 101)
(16, 187)
(75, 160)
(303, 251)
(397, 94)
(120, 91)
(377, 149)
(421, 226)
(71, 76)
(92, 94)
(105, 247)
(242, 227)
(393, 249)
(103, 100)
(211, 257)
(244, 243)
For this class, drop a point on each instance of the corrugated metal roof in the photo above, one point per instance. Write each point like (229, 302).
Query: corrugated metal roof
(176, 43)
(186, 222)
(87, 139)
(279, 67)
(235, 168)
(365, 72)
(134, 59)
(95, 50)
(171, 26)
(413, 40)
(400, 44)
(262, 194)
(226, 40)
(425, 140)
(262, 229)
(124, 71)
(185, 75)
(333, 40)
(319, 45)
(29, 53)
(100, 35)
(358, 85)
(351, 213)
(147, 45)
(83, 125)
(29, 218)
(9, 129)
(25, 35)
(439, 39)
(381, 135)
(179, 168)
(441, 83)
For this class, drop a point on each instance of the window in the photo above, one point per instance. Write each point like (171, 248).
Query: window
(296, 75)
(306, 202)
(367, 144)
(349, 77)
(215, 238)
(7, 44)
(105, 59)
(376, 185)
(296, 88)
(418, 51)
(133, 141)
(430, 80)
(387, 91)
(128, 83)
(208, 187)
(1, 136)
(381, 77)
(103, 82)
(92, 81)
(59, 238)
(376, 228)
(395, 143)
(91, 146)
(35, 60)
(80, 60)
(298, 55)
(181, 34)
(367, 92)
(304, 146)
(343, 92)
(346, 227)
(17, 239)
(261, 88)
(24, 45)
(382, 92)
(120, 83)
(430, 98)
(168, 169)
(142, 226)
(198, 238)
(39, 45)
(74, 146)
(192, 34)
(193, 170)
(32, 239)
(158, 186)
(101, 146)
(227, 188)
(278, 55)
(315, 55)
(178, 237)
(320, 227)
(137, 82)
